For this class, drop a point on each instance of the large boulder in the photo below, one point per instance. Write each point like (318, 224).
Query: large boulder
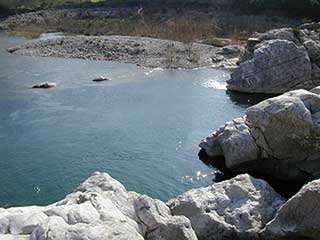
(278, 137)
(99, 209)
(277, 65)
(279, 60)
(235, 209)
(299, 218)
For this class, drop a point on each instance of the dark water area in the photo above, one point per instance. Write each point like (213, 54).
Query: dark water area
(143, 127)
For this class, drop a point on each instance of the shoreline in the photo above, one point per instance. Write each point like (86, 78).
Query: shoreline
(142, 51)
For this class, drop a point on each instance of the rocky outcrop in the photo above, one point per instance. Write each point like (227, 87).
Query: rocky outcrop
(299, 217)
(279, 60)
(100, 208)
(235, 209)
(278, 137)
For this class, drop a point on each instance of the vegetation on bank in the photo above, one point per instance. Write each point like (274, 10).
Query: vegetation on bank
(297, 8)
(181, 20)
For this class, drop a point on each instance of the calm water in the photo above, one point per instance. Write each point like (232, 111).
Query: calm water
(143, 127)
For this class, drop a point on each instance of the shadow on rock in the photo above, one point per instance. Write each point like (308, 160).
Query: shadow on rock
(285, 188)
(247, 100)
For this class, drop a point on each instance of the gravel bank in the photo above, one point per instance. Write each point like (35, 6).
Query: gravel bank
(147, 52)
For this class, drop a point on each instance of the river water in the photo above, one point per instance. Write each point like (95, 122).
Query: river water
(143, 127)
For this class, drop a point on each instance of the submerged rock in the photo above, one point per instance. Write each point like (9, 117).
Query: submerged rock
(235, 209)
(100, 208)
(278, 61)
(45, 85)
(278, 137)
(299, 218)
(101, 79)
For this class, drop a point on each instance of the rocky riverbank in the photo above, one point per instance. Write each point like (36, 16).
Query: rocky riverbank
(280, 60)
(148, 52)
(101, 208)
(278, 137)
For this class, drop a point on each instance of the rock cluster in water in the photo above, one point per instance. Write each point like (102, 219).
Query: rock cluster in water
(278, 137)
(280, 60)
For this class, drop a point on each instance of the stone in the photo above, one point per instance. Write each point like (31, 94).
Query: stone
(234, 209)
(232, 50)
(100, 208)
(298, 218)
(316, 90)
(315, 75)
(279, 137)
(278, 61)
(313, 49)
(228, 140)
(45, 85)
(14, 237)
(21, 220)
(276, 66)
(280, 34)
(101, 79)
(310, 26)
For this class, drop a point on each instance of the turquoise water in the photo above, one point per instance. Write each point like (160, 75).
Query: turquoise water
(143, 127)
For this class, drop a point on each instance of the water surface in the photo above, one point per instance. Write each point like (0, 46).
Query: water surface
(143, 127)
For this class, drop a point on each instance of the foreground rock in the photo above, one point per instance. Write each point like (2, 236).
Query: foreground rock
(280, 60)
(279, 138)
(45, 85)
(99, 209)
(148, 52)
(299, 217)
(235, 209)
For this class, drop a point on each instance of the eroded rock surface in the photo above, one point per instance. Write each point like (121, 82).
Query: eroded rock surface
(99, 209)
(235, 209)
(278, 137)
(299, 217)
(279, 60)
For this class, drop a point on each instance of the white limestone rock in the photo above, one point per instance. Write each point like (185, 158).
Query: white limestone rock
(99, 209)
(276, 67)
(279, 137)
(279, 60)
(234, 209)
(299, 217)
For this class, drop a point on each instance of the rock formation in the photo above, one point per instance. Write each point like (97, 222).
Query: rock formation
(99, 209)
(299, 217)
(278, 137)
(235, 209)
(279, 60)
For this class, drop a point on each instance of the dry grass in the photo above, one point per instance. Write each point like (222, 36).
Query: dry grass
(181, 28)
